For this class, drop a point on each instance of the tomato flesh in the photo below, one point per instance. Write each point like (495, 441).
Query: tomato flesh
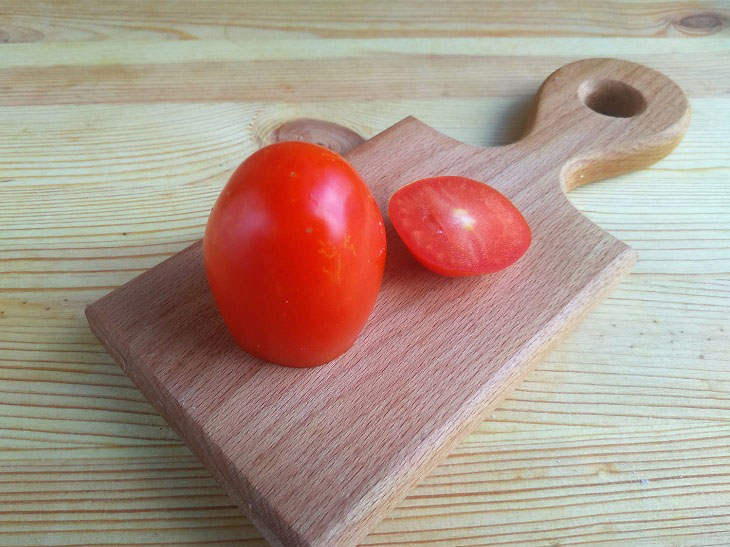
(294, 253)
(457, 226)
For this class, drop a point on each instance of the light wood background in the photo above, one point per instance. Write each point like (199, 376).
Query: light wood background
(120, 122)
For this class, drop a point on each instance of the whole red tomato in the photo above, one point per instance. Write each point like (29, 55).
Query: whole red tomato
(294, 254)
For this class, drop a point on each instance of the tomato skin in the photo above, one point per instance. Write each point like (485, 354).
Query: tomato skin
(456, 226)
(294, 253)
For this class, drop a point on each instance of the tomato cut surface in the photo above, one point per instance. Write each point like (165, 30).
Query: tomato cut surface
(456, 226)
(294, 253)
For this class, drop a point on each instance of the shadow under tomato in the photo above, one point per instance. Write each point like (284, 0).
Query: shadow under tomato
(408, 284)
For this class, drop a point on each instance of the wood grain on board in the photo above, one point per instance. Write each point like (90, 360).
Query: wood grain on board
(619, 436)
(316, 457)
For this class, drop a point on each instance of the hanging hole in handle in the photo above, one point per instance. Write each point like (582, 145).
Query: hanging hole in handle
(612, 98)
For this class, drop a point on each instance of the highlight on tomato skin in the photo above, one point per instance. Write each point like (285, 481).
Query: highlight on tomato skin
(294, 253)
(456, 226)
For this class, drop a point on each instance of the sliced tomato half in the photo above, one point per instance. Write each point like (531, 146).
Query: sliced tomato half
(457, 226)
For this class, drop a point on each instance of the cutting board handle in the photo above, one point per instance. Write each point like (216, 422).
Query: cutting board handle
(603, 117)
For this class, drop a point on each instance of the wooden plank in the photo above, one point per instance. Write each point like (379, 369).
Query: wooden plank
(331, 70)
(196, 19)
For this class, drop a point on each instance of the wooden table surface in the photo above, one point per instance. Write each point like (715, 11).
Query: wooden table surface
(120, 122)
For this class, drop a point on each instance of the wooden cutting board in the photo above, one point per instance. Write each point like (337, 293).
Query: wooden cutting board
(316, 456)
